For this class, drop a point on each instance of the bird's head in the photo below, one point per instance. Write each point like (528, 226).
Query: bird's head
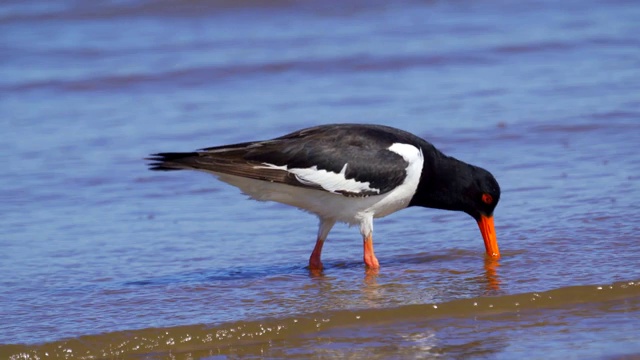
(450, 184)
(481, 197)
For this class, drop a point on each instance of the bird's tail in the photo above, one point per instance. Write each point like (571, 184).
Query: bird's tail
(172, 161)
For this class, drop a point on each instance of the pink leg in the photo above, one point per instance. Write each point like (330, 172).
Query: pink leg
(323, 231)
(314, 260)
(369, 257)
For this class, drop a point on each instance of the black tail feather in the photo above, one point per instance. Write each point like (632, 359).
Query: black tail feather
(170, 161)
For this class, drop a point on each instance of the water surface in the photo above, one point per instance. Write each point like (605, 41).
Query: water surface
(105, 259)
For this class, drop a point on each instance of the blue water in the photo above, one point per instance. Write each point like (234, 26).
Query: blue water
(542, 94)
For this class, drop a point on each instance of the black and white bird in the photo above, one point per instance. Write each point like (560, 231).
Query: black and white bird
(349, 173)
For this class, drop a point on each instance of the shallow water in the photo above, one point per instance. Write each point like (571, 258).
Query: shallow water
(102, 258)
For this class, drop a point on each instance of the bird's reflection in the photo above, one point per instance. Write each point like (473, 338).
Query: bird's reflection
(491, 274)
(371, 276)
(491, 277)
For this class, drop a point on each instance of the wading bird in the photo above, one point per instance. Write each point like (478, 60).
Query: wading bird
(349, 173)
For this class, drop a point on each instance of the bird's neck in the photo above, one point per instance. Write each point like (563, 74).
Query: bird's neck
(443, 184)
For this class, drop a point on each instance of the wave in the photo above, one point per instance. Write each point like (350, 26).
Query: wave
(204, 75)
(223, 338)
(73, 10)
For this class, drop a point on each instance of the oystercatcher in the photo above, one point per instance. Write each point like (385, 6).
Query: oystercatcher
(349, 173)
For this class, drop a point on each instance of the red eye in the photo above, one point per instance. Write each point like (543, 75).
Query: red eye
(487, 199)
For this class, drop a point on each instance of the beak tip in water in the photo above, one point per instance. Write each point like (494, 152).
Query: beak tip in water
(489, 236)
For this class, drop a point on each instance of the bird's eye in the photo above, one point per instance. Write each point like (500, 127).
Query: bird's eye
(487, 199)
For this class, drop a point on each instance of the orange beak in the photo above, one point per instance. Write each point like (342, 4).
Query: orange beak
(489, 235)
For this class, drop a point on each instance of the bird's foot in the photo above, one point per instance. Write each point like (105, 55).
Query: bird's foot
(369, 256)
(315, 267)
(314, 260)
(371, 261)
(315, 264)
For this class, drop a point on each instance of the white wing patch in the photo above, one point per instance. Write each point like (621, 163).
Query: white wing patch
(328, 180)
(331, 181)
